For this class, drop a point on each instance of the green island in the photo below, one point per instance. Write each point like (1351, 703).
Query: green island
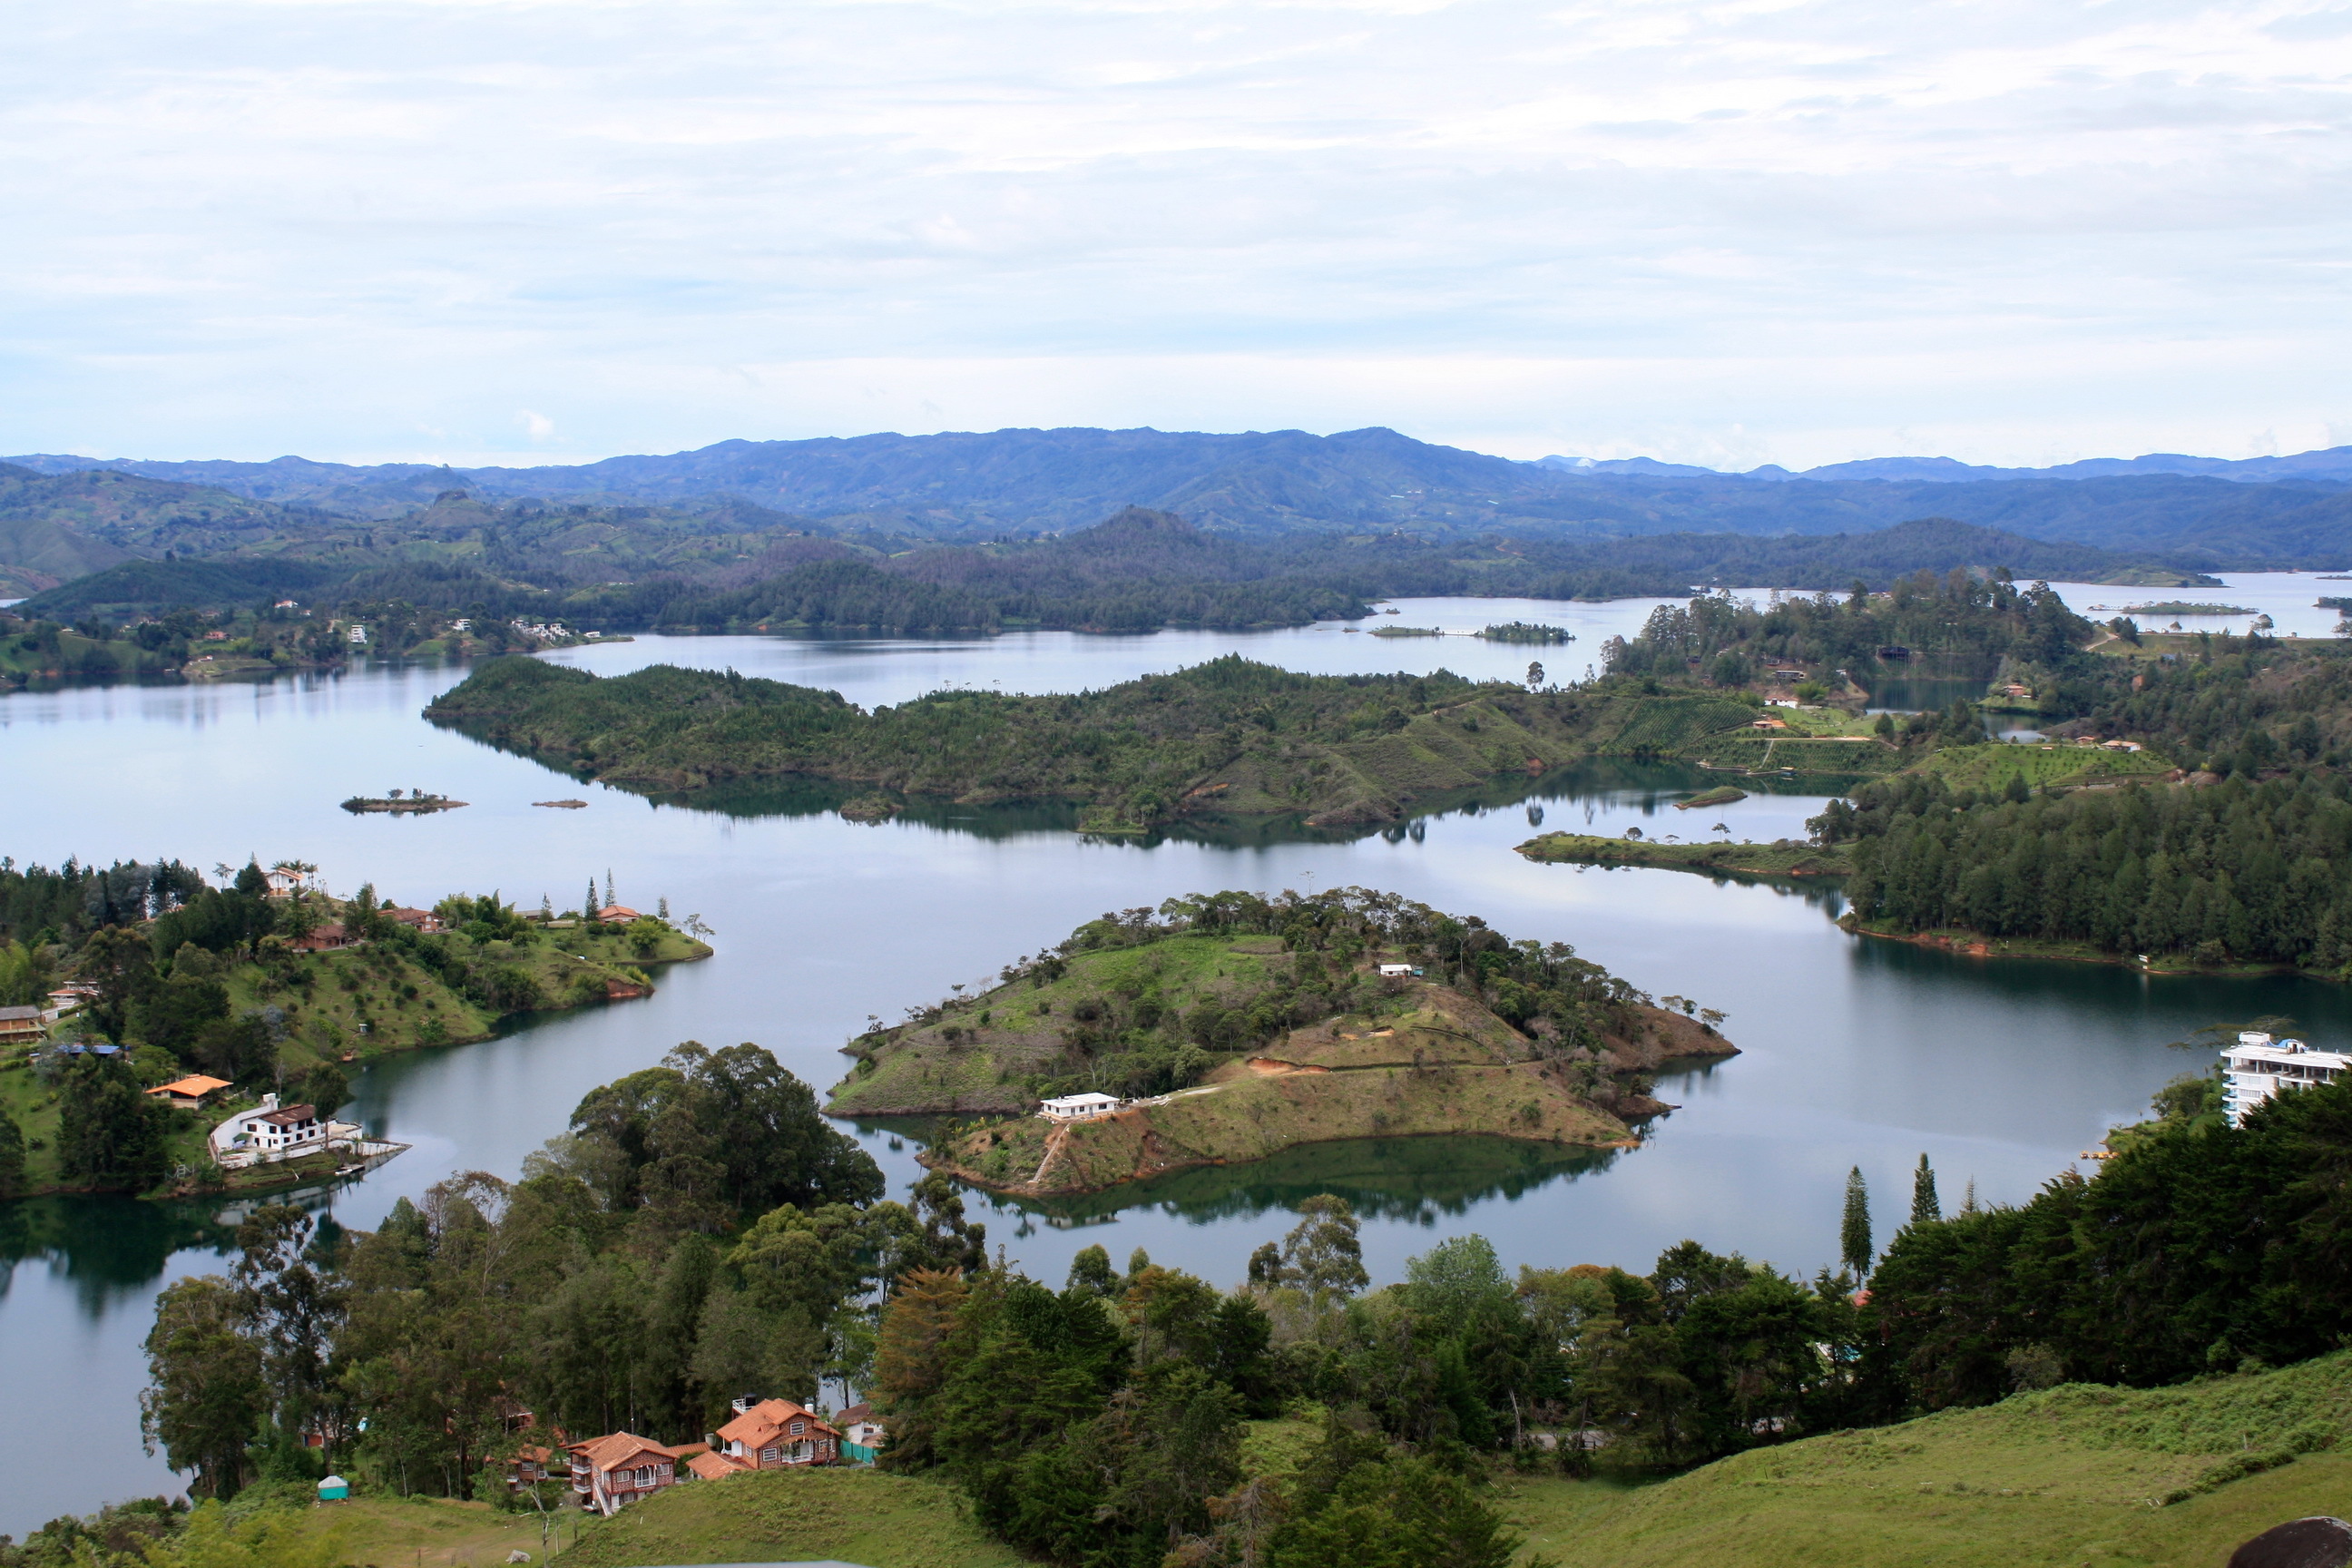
(1783, 857)
(401, 802)
(1228, 737)
(1407, 632)
(1527, 632)
(2186, 607)
(1721, 794)
(1228, 1029)
(142, 975)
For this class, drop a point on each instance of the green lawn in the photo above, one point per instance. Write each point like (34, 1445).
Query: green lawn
(856, 1515)
(1991, 766)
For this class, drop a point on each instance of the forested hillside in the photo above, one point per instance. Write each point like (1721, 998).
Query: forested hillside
(1224, 737)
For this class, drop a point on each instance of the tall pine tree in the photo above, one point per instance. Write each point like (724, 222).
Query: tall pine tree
(1925, 1205)
(1853, 1231)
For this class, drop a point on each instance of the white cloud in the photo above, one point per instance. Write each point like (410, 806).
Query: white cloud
(1799, 232)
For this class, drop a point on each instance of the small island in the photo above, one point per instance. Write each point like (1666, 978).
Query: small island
(2184, 608)
(1407, 632)
(1228, 1028)
(1721, 794)
(1781, 857)
(1527, 632)
(402, 802)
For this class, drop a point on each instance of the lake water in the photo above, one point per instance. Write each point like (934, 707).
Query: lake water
(1854, 1052)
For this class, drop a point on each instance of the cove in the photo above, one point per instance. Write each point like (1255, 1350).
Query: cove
(1854, 1052)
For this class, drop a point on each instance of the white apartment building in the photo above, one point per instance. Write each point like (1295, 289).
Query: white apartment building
(2258, 1066)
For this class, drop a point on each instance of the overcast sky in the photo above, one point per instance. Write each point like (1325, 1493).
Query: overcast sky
(2017, 231)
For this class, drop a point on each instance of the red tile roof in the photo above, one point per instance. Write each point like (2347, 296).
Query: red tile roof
(764, 1421)
(618, 1450)
(710, 1467)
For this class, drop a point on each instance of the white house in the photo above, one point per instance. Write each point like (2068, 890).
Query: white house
(1077, 1107)
(1398, 971)
(268, 1132)
(2258, 1066)
(359, 634)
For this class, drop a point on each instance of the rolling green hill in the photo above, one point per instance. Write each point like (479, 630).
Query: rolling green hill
(2073, 1475)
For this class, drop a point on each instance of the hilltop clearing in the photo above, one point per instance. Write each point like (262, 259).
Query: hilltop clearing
(1251, 1026)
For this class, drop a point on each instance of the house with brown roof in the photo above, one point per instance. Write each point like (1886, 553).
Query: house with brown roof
(776, 1434)
(861, 1436)
(21, 1023)
(327, 937)
(268, 1131)
(424, 920)
(611, 1472)
(191, 1092)
(617, 914)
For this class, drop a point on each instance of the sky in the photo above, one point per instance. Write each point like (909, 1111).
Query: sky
(2008, 231)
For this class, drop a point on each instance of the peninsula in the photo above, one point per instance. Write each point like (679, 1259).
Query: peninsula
(128, 984)
(1228, 1028)
(1229, 737)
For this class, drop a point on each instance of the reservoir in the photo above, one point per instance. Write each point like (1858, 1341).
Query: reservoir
(1855, 1053)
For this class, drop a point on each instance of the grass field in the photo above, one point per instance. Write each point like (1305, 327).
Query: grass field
(852, 1515)
(2075, 1475)
(1991, 766)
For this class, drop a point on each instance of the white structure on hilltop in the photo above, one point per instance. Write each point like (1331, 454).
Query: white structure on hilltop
(1077, 1107)
(2258, 1066)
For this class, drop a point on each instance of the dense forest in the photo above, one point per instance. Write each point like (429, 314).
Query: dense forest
(1228, 736)
(1959, 624)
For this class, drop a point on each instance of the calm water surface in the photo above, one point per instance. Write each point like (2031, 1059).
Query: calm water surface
(1854, 1053)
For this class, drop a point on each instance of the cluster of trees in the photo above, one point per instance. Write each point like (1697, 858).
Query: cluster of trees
(1135, 750)
(1962, 624)
(701, 1230)
(2243, 871)
(2199, 1248)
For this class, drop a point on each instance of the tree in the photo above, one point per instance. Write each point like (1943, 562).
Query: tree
(1323, 1254)
(290, 1305)
(1535, 673)
(206, 1397)
(325, 1087)
(112, 1136)
(12, 1157)
(1854, 1228)
(1924, 1206)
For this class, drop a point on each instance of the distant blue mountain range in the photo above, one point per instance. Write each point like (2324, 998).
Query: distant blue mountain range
(2332, 463)
(2205, 513)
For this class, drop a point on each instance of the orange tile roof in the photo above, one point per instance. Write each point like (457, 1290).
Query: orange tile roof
(615, 1450)
(195, 1086)
(710, 1467)
(766, 1419)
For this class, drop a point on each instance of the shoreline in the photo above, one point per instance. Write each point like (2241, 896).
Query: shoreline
(1965, 944)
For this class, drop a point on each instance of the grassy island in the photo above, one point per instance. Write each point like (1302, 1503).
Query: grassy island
(1240, 1027)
